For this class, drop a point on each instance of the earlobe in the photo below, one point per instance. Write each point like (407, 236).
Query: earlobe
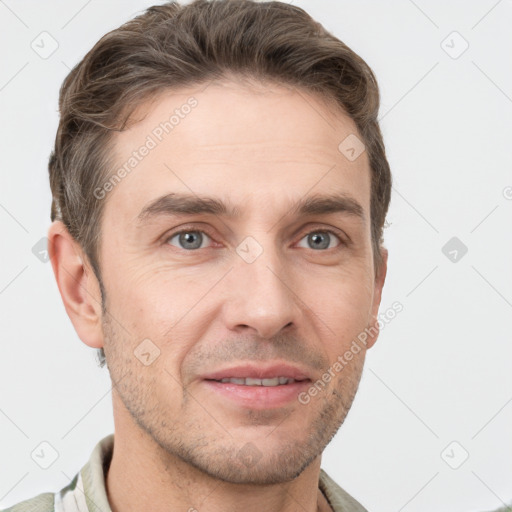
(380, 278)
(78, 286)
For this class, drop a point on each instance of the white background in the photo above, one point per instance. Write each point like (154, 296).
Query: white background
(441, 370)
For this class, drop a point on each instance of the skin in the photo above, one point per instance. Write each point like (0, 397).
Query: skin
(261, 148)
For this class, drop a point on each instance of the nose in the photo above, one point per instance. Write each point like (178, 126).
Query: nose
(260, 296)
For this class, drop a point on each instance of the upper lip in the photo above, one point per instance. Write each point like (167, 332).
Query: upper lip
(258, 372)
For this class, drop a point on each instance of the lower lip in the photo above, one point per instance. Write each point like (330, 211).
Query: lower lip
(259, 397)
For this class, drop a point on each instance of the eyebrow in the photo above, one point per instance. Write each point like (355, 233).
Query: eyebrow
(175, 204)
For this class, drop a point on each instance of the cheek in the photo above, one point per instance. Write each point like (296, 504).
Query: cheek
(159, 301)
(340, 305)
(144, 293)
(165, 308)
(345, 289)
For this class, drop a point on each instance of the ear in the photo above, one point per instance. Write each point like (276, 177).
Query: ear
(380, 278)
(77, 283)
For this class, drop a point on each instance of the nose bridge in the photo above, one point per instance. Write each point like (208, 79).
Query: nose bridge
(261, 295)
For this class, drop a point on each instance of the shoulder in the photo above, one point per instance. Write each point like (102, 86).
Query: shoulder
(43, 502)
(338, 498)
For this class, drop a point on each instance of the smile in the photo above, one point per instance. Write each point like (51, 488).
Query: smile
(249, 381)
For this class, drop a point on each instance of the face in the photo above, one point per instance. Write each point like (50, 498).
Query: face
(237, 262)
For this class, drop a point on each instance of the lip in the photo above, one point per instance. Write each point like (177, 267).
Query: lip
(258, 397)
(259, 372)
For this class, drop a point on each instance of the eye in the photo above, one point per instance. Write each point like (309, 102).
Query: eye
(189, 239)
(319, 239)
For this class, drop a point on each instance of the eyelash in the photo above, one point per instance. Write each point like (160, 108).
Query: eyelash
(189, 229)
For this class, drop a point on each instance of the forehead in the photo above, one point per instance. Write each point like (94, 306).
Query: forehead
(269, 143)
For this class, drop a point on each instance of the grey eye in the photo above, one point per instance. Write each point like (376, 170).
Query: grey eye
(189, 240)
(319, 240)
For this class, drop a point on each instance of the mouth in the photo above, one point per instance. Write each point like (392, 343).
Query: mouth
(250, 381)
(258, 387)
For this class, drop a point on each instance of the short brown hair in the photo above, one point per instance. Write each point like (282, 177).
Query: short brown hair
(173, 46)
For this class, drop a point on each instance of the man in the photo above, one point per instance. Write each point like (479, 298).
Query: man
(220, 187)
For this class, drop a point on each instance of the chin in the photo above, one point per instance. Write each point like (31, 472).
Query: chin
(251, 466)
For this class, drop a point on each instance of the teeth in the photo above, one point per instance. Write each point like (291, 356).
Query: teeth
(234, 381)
(249, 381)
(253, 382)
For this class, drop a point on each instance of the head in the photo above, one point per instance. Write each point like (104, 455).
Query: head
(220, 188)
